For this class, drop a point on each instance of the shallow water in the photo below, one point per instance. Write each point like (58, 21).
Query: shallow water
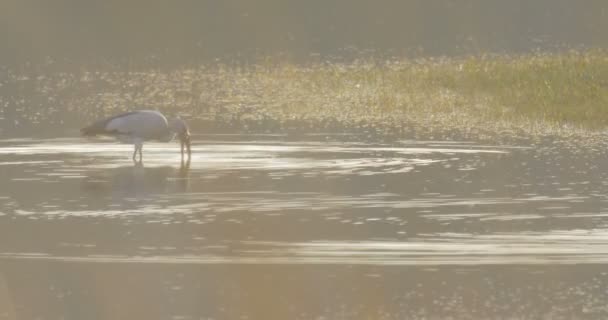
(314, 227)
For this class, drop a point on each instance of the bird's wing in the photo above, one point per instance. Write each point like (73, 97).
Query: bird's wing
(102, 126)
(142, 124)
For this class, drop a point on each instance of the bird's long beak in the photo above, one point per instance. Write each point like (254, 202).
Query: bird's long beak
(184, 140)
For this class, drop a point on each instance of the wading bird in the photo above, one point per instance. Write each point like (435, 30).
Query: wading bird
(138, 126)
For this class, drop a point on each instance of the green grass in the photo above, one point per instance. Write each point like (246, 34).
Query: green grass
(560, 93)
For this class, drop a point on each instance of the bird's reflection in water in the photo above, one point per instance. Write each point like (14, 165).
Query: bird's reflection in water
(184, 175)
(138, 180)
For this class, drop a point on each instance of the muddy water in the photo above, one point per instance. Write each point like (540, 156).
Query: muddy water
(318, 227)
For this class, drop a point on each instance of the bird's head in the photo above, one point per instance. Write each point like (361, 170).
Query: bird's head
(180, 128)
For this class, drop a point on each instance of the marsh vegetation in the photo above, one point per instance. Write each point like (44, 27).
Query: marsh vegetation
(476, 96)
(367, 216)
(350, 160)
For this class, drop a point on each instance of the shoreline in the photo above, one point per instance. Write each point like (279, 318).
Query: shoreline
(499, 97)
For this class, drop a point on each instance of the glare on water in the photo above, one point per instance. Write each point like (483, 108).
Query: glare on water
(431, 225)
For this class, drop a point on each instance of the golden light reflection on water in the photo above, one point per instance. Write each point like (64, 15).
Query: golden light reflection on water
(221, 181)
(559, 247)
(392, 214)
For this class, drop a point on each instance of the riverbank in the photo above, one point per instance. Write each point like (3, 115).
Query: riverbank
(563, 94)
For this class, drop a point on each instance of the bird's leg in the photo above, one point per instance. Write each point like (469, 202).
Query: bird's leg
(189, 151)
(138, 147)
(181, 143)
(134, 153)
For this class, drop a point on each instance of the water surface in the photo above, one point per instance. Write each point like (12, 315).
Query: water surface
(314, 227)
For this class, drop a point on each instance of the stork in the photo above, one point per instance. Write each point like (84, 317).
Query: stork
(138, 126)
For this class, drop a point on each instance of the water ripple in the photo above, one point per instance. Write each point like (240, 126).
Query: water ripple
(557, 247)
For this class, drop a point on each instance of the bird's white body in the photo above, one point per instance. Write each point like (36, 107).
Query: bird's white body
(144, 125)
(139, 126)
